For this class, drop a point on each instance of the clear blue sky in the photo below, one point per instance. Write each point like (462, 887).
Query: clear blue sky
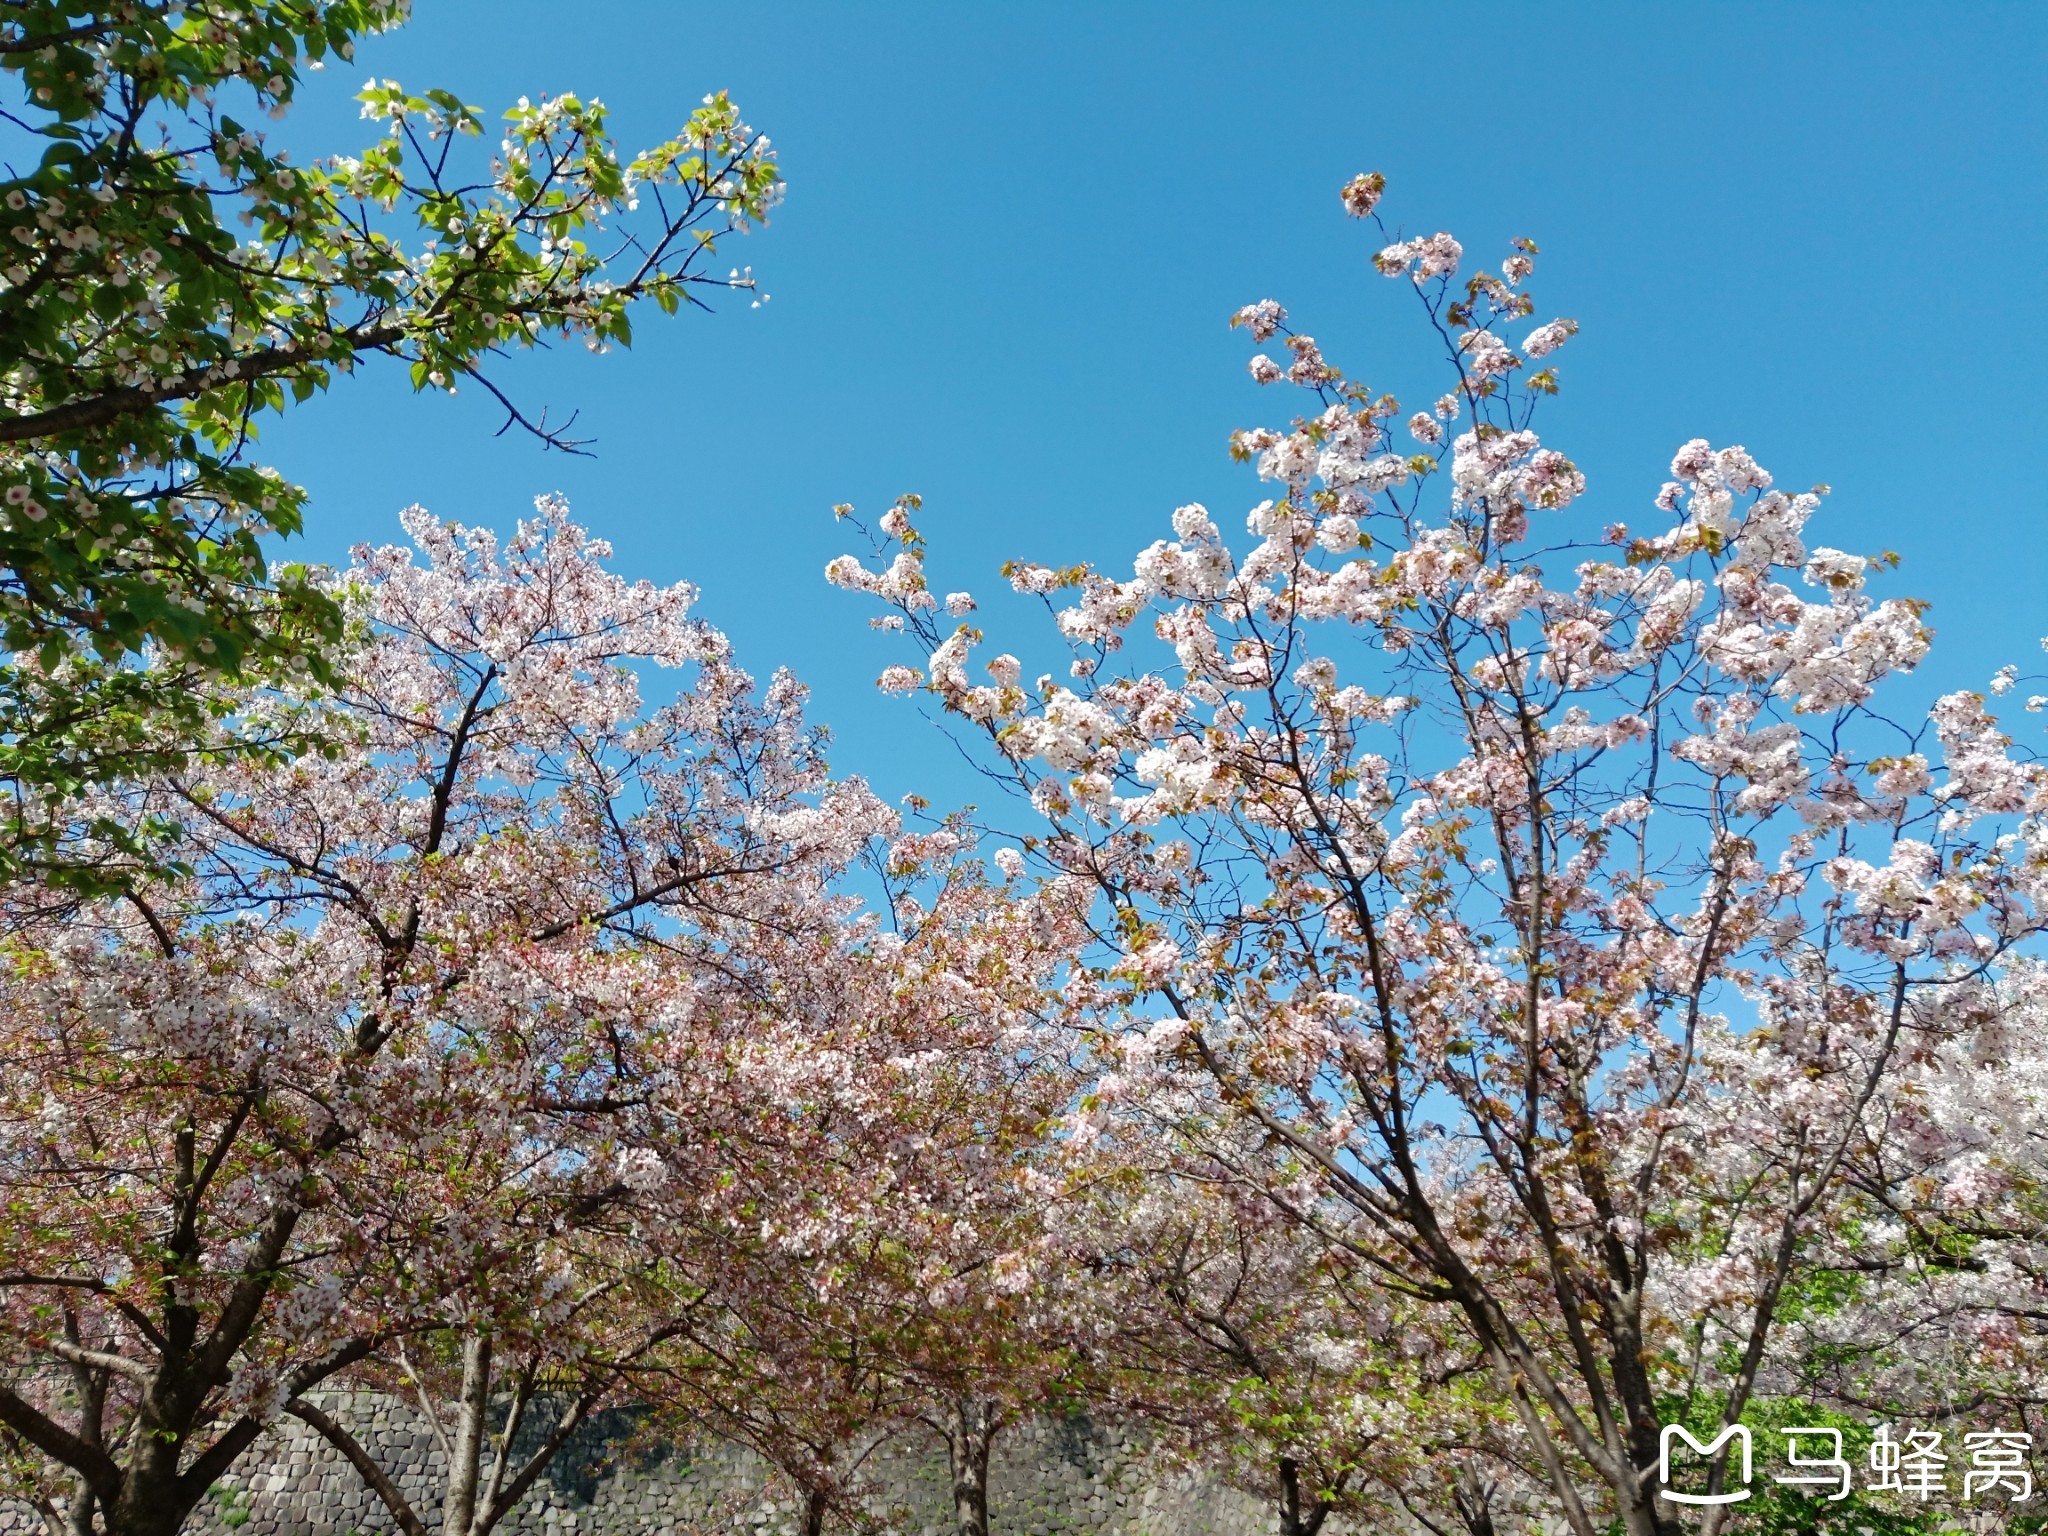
(1014, 234)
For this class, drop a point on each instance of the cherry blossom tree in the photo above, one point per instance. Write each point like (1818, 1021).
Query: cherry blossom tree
(1946, 1278)
(882, 1254)
(1255, 1352)
(1924, 1311)
(1566, 900)
(568, 1320)
(354, 1073)
(983, 1305)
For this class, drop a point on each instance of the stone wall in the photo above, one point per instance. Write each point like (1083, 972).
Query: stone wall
(1046, 1478)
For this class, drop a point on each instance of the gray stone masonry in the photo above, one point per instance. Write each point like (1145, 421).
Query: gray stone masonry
(1047, 1477)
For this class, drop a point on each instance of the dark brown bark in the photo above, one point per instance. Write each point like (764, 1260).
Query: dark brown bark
(110, 406)
(1294, 1520)
(815, 1503)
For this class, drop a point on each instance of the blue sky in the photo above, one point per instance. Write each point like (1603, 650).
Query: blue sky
(1014, 235)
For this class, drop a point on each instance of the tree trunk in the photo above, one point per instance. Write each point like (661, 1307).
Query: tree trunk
(465, 1452)
(1473, 1498)
(78, 1514)
(1294, 1520)
(814, 1512)
(155, 1500)
(1644, 1514)
(142, 1516)
(970, 1427)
